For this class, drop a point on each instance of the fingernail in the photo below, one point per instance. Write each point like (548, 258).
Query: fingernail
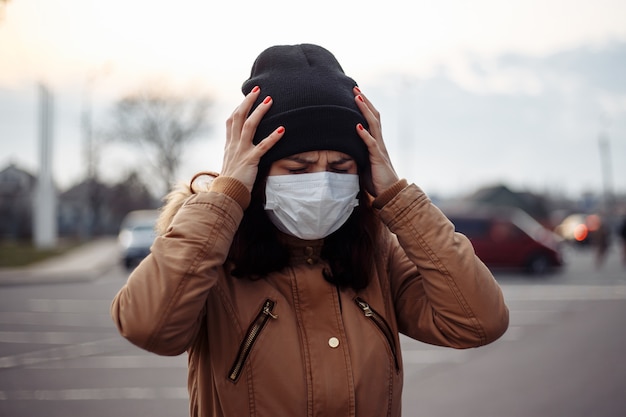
(255, 89)
(267, 100)
(360, 126)
(280, 130)
(358, 90)
(360, 97)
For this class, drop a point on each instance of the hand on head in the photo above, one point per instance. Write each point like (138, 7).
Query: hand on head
(241, 156)
(382, 175)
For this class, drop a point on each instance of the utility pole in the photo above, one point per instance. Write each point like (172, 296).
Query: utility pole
(607, 173)
(45, 211)
(91, 200)
(88, 214)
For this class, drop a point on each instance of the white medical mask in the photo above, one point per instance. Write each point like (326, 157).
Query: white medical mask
(311, 206)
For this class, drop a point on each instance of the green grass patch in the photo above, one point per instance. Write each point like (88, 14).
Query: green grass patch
(16, 254)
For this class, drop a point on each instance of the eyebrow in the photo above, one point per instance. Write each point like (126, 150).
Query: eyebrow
(341, 161)
(300, 159)
(312, 161)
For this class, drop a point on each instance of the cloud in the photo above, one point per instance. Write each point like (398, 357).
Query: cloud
(600, 66)
(532, 121)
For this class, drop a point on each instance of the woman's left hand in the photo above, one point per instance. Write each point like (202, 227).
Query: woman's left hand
(383, 175)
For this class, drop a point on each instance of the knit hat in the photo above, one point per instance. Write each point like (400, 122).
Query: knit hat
(312, 99)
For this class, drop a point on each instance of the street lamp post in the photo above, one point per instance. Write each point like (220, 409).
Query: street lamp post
(90, 206)
(45, 231)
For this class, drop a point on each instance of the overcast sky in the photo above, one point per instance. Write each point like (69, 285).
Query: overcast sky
(471, 93)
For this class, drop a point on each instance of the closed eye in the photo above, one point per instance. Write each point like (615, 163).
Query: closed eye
(342, 167)
(297, 170)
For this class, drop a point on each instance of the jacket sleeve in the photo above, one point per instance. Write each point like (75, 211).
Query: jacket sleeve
(161, 306)
(442, 291)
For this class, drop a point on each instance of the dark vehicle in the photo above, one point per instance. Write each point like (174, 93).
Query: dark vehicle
(506, 237)
(136, 235)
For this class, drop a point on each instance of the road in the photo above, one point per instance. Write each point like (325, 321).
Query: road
(562, 355)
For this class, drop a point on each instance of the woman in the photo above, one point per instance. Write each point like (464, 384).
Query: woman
(288, 278)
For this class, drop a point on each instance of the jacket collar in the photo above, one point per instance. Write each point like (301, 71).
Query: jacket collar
(302, 251)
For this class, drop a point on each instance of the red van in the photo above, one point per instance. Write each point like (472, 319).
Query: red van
(505, 237)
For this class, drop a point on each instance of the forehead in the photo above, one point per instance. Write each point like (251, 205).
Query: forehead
(314, 156)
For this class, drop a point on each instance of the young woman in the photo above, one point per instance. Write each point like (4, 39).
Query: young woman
(288, 278)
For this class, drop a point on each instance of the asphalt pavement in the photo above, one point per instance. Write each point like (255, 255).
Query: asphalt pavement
(85, 262)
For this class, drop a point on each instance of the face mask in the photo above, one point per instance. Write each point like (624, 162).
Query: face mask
(311, 206)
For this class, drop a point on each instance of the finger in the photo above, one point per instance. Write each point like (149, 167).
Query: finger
(369, 140)
(357, 92)
(229, 128)
(267, 143)
(372, 116)
(370, 113)
(240, 114)
(376, 147)
(252, 122)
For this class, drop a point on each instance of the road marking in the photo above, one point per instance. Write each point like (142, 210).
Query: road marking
(65, 352)
(47, 338)
(430, 356)
(530, 317)
(145, 361)
(43, 305)
(563, 292)
(418, 353)
(55, 319)
(131, 393)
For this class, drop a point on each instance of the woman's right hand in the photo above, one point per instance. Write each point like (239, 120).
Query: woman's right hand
(241, 156)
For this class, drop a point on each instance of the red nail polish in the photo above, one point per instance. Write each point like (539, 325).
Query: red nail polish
(358, 90)
(267, 100)
(255, 89)
(360, 98)
(280, 130)
(360, 126)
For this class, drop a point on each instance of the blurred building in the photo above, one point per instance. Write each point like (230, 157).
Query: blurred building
(17, 193)
(92, 208)
(87, 209)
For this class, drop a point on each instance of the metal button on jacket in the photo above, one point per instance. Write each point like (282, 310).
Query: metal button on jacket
(308, 251)
(333, 342)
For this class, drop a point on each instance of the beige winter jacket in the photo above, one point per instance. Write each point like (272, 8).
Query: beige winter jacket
(291, 344)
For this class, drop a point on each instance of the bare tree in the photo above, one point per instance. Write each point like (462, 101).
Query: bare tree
(161, 124)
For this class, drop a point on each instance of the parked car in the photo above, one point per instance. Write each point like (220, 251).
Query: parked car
(506, 237)
(137, 233)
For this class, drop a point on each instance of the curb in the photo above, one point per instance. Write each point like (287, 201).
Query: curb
(26, 277)
(85, 263)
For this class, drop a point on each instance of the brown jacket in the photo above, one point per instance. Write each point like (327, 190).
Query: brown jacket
(291, 344)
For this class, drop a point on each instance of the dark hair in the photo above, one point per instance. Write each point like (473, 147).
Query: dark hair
(257, 250)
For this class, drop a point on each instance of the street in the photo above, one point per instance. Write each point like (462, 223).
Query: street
(60, 354)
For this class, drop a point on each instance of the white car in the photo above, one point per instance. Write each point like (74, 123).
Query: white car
(137, 233)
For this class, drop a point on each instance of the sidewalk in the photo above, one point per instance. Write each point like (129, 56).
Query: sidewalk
(86, 262)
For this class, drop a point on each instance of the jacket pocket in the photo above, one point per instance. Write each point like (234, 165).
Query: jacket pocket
(251, 336)
(382, 326)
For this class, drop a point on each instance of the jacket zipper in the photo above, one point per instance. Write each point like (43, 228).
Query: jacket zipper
(382, 325)
(251, 335)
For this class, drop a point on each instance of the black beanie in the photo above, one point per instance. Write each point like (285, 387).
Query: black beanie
(312, 99)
